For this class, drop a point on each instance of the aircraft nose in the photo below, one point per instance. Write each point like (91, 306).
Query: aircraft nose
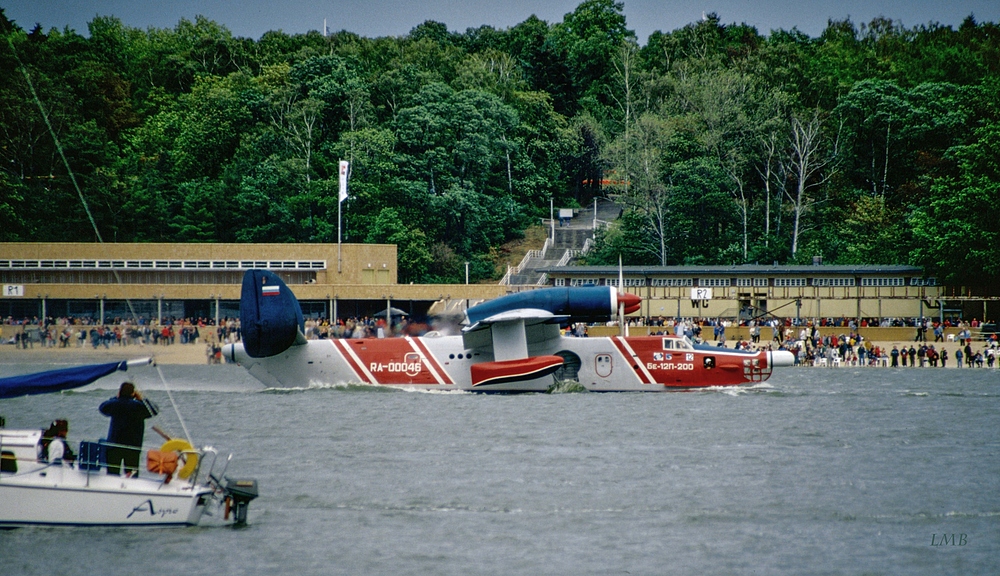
(782, 358)
(630, 301)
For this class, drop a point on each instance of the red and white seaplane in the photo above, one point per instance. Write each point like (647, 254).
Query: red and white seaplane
(510, 344)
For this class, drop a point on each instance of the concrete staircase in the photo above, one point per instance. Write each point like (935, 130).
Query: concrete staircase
(568, 241)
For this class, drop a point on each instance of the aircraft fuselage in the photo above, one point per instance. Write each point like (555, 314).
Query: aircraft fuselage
(615, 364)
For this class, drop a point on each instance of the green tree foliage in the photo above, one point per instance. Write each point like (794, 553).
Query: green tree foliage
(871, 143)
(955, 228)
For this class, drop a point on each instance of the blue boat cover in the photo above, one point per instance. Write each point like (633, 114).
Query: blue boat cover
(56, 380)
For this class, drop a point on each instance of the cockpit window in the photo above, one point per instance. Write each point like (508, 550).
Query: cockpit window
(677, 344)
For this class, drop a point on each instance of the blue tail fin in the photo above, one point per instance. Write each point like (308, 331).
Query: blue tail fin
(270, 316)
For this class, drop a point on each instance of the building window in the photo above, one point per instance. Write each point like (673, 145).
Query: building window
(559, 282)
(714, 282)
(582, 281)
(628, 282)
(822, 282)
(672, 282)
(158, 264)
(882, 282)
(789, 282)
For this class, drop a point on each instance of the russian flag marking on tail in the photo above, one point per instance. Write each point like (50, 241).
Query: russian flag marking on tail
(270, 291)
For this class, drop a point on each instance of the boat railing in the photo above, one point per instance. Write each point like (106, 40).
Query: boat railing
(92, 458)
(202, 458)
(19, 447)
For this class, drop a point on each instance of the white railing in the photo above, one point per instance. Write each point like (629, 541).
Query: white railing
(565, 258)
(540, 254)
(543, 280)
(587, 246)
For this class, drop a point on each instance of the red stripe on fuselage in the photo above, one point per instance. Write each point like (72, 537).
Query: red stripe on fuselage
(392, 361)
(634, 363)
(431, 360)
(352, 363)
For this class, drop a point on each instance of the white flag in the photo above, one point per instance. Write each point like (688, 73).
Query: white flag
(343, 180)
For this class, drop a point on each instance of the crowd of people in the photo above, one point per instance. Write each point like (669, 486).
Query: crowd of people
(80, 332)
(801, 336)
(804, 338)
(69, 332)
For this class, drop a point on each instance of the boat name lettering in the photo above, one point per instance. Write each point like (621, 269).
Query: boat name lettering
(669, 366)
(147, 506)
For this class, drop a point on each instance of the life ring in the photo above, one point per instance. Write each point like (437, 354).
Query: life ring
(187, 452)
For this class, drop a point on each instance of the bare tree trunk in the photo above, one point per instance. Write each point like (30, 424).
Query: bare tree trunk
(807, 163)
(624, 67)
(766, 174)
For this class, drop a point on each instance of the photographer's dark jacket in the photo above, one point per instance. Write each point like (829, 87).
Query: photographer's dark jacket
(127, 419)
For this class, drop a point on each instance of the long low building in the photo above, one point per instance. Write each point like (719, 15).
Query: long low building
(203, 280)
(759, 291)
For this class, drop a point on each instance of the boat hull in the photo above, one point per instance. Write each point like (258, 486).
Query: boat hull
(64, 496)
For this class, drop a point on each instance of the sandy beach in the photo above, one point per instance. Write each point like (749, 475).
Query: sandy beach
(173, 354)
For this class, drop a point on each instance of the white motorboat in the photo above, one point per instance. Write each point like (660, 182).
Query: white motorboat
(83, 494)
(179, 487)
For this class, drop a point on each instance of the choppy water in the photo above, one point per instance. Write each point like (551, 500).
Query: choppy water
(820, 471)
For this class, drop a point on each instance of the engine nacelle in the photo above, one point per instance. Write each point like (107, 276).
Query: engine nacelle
(582, 304)
(270, 316)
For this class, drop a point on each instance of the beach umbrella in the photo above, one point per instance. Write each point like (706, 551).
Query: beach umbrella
(394, 311)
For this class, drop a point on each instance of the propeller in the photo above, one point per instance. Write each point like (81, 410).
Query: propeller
(621, 304)
(627, 303)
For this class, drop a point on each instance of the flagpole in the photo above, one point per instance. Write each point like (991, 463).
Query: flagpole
(340, 257)
(344, 165)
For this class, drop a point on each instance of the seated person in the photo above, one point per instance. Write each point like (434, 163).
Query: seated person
(52, 448)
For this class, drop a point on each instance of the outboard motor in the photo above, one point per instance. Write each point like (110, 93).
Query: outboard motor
(238, 495)
(270, 316)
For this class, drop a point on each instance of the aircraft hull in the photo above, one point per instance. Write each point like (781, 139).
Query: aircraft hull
(617, 364)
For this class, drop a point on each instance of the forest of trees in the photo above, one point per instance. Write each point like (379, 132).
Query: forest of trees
(871, 144)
